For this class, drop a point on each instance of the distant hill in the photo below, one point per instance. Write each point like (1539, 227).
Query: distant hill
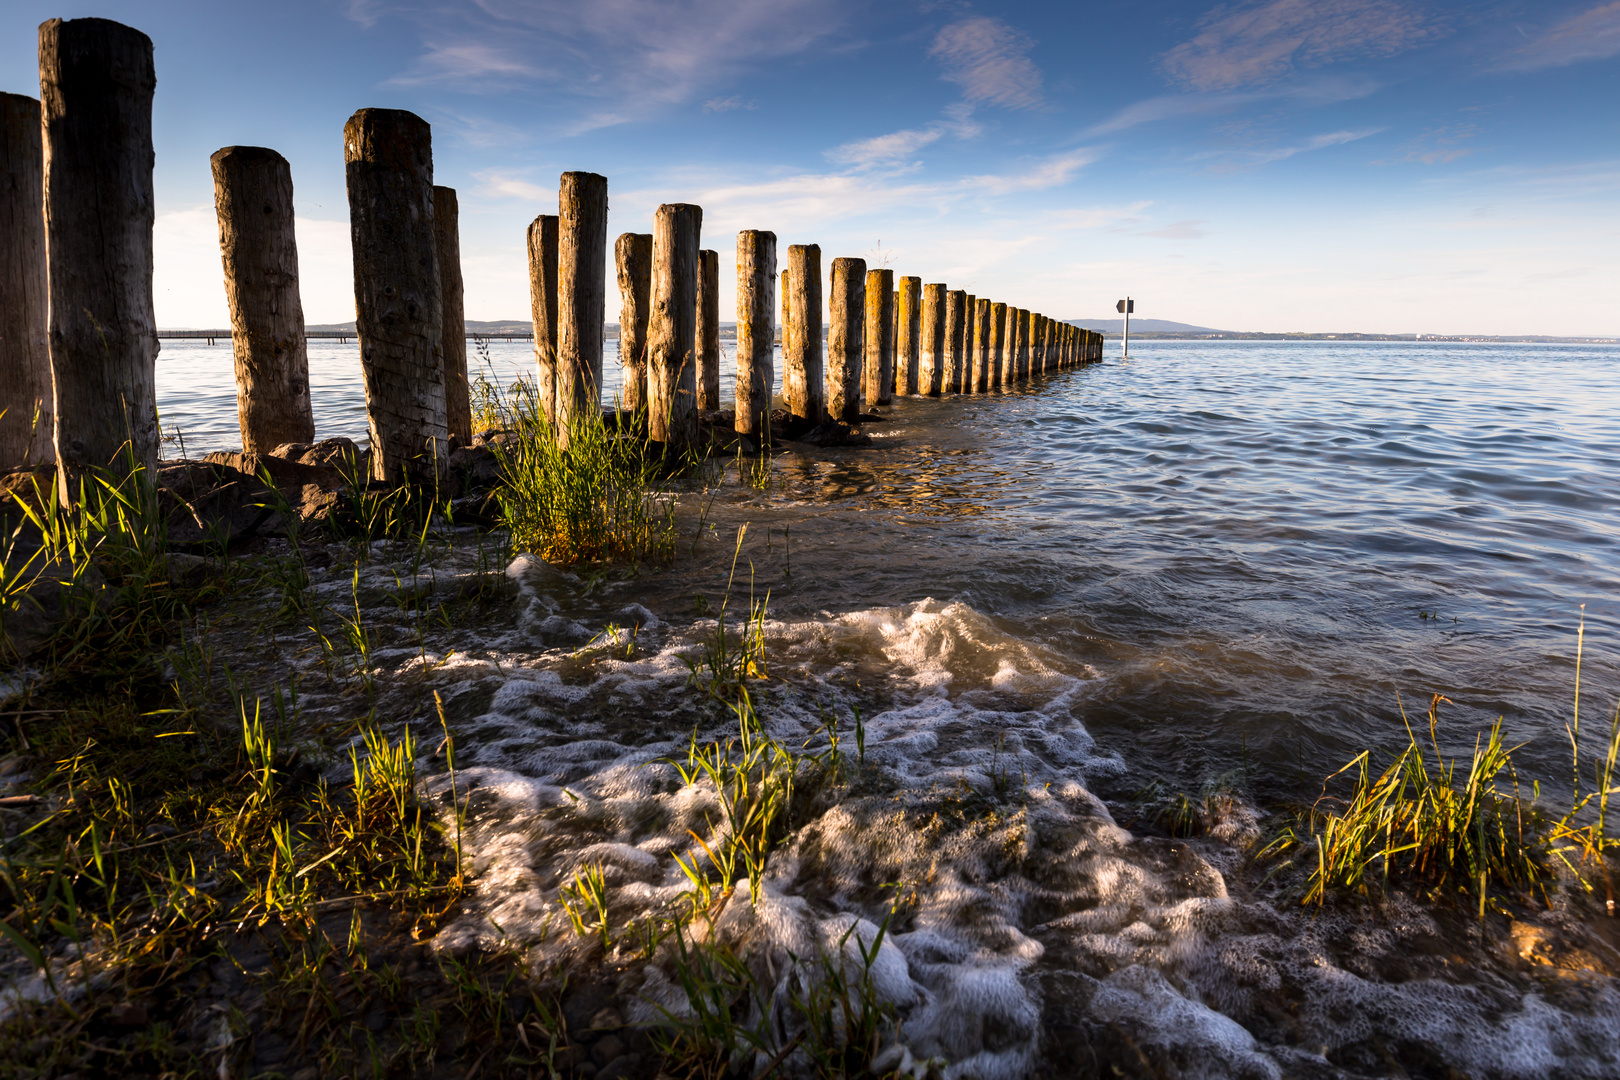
(1143, 326)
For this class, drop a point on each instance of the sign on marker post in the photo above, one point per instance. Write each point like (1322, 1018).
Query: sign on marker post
(1125, 307)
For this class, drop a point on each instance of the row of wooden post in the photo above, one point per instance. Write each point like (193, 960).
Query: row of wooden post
(78, 340)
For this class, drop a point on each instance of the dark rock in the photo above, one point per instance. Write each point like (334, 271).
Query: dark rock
(620, 1068)
(608, 1049)
(127, 1015)
(835, 433)
(476, 467)
(185, 571)
(288, 476)
(334, 453)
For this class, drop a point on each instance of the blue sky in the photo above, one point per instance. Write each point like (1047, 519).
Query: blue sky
(1376, 165)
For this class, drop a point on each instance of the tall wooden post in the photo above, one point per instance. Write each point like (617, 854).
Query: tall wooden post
(388, 154)
(955, 313)
(756, 331)
(672, 325)
(846, 338)
(453, 331)
(1026, 343)
(253, 199)
(907, 335)
(1037, 344)
(970, 318)
(931, 376)
(543, 308)
(879, 362)
(26, 396)
(982, 347)
(96, 83)
(708, 330)
(801, 335)
(582, 206)
(633, 260)
(998, 345)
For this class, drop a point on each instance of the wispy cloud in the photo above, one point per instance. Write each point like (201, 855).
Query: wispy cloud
(635, 56)
(1179, 230)
(727, 104)
(1249, 159)
(890, 149)
(1439, 145)
(493, 183)
(1259, 41)
(1592, 35)
(1321, 90)
(468, 64)
(1049, 173)
(988, 60)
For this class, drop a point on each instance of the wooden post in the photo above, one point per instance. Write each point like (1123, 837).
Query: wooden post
(633, 261)
(253, 199)
(96, 82)
(453, 331)
(543, 308)
(756, 332)
(931, 375)
(846, 338)
(581, 296)
(907, 335)
(26, 396)
(955, 310)
(708, 330)
(1037, 344)
(1026, 343)
(801, 335)
(1013, 324)
(879, 362)
(970, 322)
(998, 345)
(981, 347)
(388, 155)
(672, 325)
(898, 385)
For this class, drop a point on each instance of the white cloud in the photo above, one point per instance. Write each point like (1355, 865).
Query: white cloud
(1191, 229)
(499, 185)
(986, 57)
(1052, 172)
(637, 55)
(887, 149)
(1592, 35)
(1321, 90)
(1234, 160)
(727, 104)
(1261, 40)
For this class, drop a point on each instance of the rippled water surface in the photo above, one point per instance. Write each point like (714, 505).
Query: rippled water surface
(1254, 545)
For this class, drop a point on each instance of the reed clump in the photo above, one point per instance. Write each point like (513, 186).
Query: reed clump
(579, 490)
(1458, 831)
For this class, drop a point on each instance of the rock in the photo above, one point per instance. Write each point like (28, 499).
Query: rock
(334, 453)
(608, 1049)
(835, 433)
(127, 1015)
(185, 571)
(620, 1068)
(476, 467)
(208, 505)
(286, 475)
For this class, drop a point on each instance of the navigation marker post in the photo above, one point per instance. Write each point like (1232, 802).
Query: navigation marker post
(1125, 307)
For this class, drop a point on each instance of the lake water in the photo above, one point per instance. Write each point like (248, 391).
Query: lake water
(1215, 559)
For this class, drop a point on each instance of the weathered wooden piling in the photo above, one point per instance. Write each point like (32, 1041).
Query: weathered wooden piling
(1037, 344)
(970, 313)
(26, 397)
(672, 326)
(632, 262)
(879, 362)
(981, 347)
(1026, 343)
(96, 83)
(802, 384)
(542, 240)
(931, 374)
(846, 338)
(955, 312)
(708, 330)
(388, 158)
(756, 331)
(453, 327)
(253, 199)
(582, 206)
(908, 336)
(998, 345)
